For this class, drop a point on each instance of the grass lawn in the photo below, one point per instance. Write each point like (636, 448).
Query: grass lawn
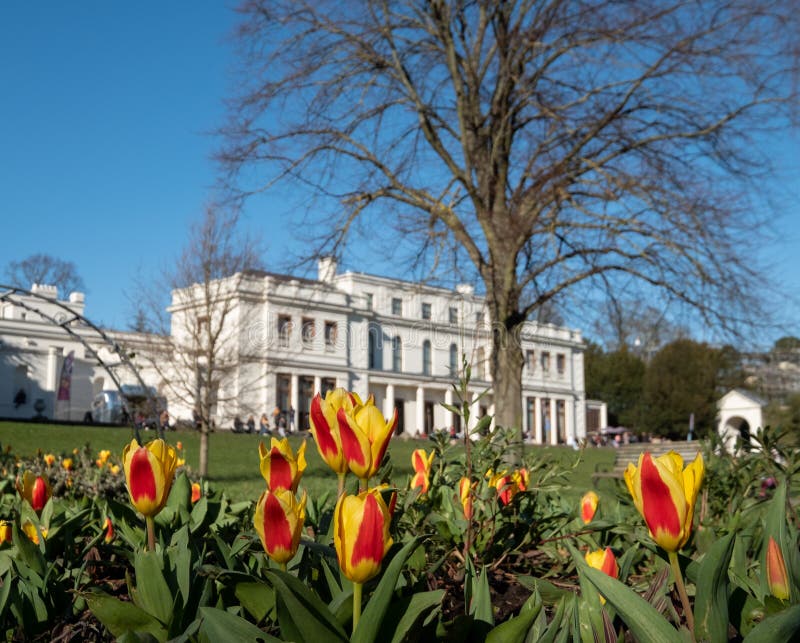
(234, 461)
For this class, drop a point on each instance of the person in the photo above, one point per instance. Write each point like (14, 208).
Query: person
(238, 425)
(291, 419)
(163, 421)
(20, 398)
(251, 424)
(263, 425)
(282, 426)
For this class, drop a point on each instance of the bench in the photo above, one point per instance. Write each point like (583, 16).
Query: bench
(630, 453)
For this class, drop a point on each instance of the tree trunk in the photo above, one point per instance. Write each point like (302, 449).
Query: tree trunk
(507, 362)
(204, 449)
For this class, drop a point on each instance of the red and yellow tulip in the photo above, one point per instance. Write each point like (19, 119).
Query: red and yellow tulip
(465, 490)
(49, 459)
(665, 493)
(279, 522)
(325, 426)
(361, 534)
(32, 532)
(6, 531)
(35, 489)
(280, 467)
(149, 472)
(508, 485)
(777, 577)
(588, 506)
(196, 492)
(604, 560)
(365, 437)
(421, 462)
(67, 464)
(109, 530)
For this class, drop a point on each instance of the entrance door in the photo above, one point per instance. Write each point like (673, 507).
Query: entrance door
(305, 393)
(428, 418)
(400, 405)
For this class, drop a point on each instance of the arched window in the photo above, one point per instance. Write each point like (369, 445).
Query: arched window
(397, 354)
(453, 359)
(375, 348)
(426, 357)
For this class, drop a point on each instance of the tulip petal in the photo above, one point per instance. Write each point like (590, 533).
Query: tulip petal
(369, 545)
(663, 502)
(322, 433)
(142, 480)
(277, 531)
(355, 446)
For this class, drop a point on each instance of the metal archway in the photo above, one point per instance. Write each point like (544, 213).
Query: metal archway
(11, 295)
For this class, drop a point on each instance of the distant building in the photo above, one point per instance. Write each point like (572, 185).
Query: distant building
(399, 341)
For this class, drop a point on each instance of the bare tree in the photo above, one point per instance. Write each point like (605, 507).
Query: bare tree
(45, 269)
(203, 361)
(557, 145)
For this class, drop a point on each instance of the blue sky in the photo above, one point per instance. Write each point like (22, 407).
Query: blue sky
(105, 145)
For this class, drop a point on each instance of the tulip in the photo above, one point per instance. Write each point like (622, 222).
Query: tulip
(588, 507)
(777, 577)
(32, 532)
(49, 459)
(664, 493)
(279, 521)
(109, 531)
(508, 485)
(105, 454)
(67, 464)
(5, 532)
(421, 462)
(522, 479)
(279, 466)
(35, 489)
(365, 437)
(465, 495)
(149, 472)
(604, 560)
(179, 445)
(325, 428)
(361, 538)
(196, 492)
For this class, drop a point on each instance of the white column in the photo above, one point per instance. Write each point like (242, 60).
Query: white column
(294, 400)
(317, 384)
(388, 403)
(537, 420)
(490, 411)
(421, 410)
(553, 421)
(448, 414)
(569, 421)
(603, 415)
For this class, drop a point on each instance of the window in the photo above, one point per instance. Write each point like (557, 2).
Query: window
(397, 306)
(453, 359)
(545, 362)
(530, 361)
(452, 315)
(479, 317)
(397, 354)
(327, 384)
(426, 357)
(426, 311)
(284, 330)
(375, 348)
(308, 332)
(561, 363)
(368, 297)
(480, 363)
(330, 334)
(283, 390)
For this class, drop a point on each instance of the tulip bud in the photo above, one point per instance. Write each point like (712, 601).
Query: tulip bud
(665, 493)
(605, 561)
(325, 426)
(588, 506)
(365, 437)
(32, 532)
(6, 531)
(35, 489)
(361, 534)
(196, 492)
(421, 462)
(279, 519)
(109, 531)
(149, 472)
(279, 466)
(777, 577)
(465, 495)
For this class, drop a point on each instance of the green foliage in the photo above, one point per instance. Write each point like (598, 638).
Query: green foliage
(617, 378)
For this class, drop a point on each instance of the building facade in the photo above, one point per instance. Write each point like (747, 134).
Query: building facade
(401, 342)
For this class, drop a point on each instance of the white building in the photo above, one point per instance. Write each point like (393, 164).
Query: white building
(399, 341)
(290, 338)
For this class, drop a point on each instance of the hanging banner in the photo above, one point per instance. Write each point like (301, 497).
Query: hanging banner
(65, 383)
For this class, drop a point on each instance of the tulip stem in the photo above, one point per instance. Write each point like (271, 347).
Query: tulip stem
(151, 533)
(356, 605)
(687, 607)
(341, 485)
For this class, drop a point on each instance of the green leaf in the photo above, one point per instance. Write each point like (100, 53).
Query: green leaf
(403, 615)
(515, 630)
(219, 625)
(198, 515)
(28, 553)
(370, 622)
(779, 628)
(644, 622)
(711, 602)
(591, 611)
(481, 606)
(154, 595)
(257, 598)
(120, 617)
(302, 616)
